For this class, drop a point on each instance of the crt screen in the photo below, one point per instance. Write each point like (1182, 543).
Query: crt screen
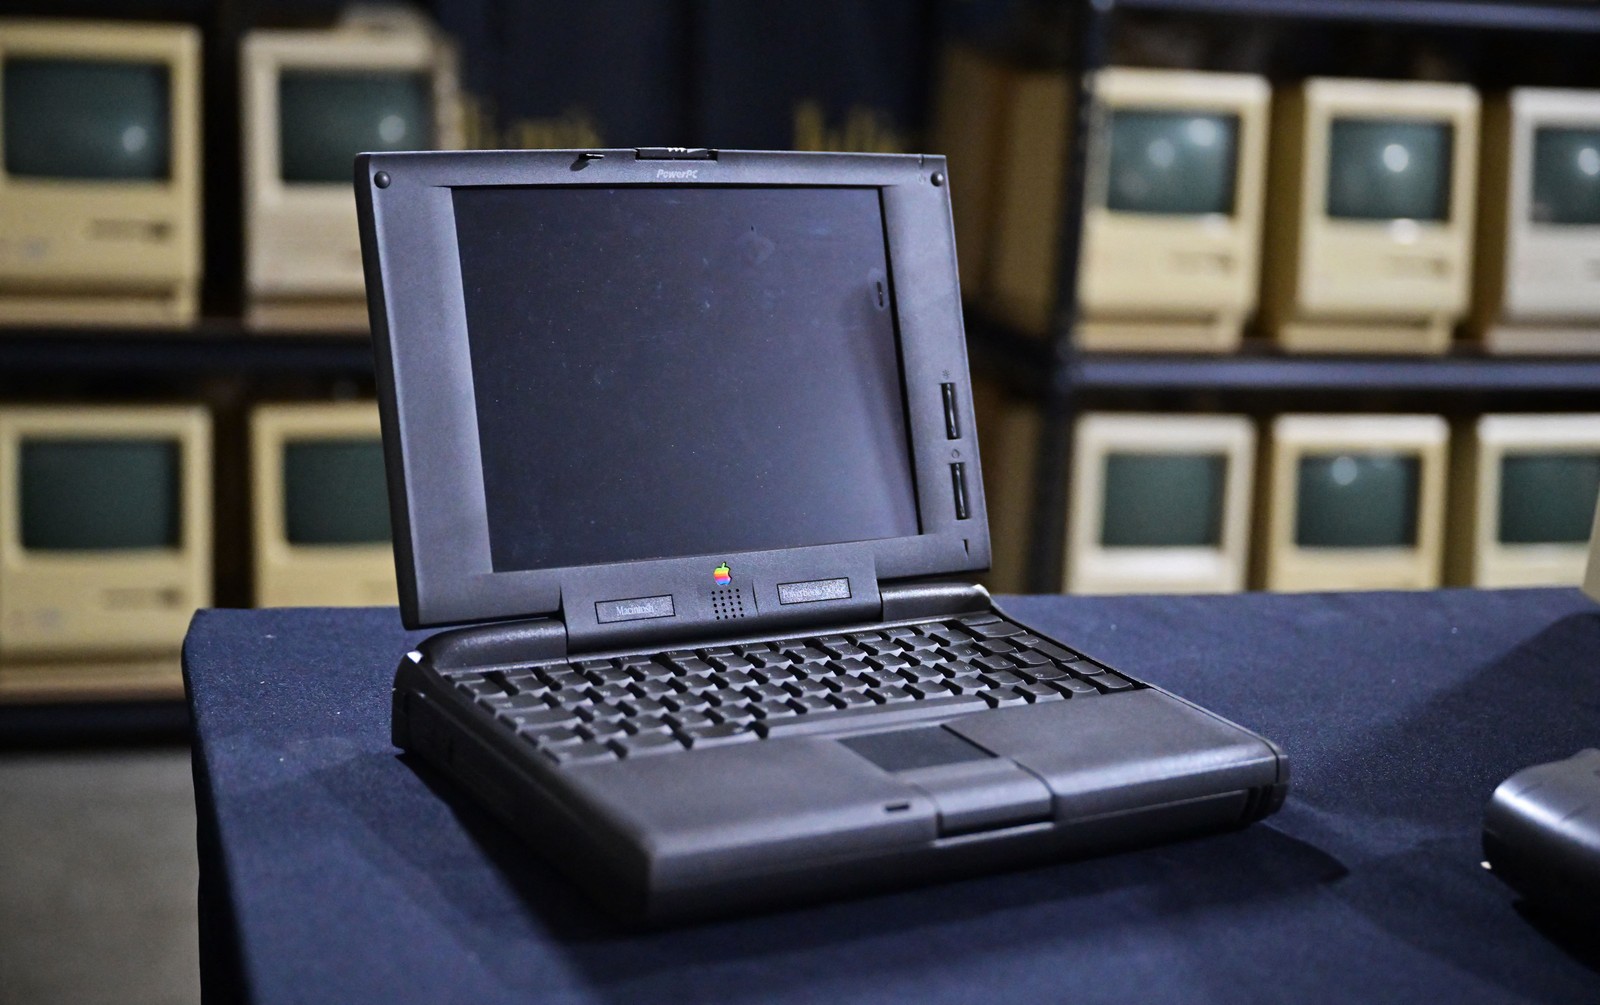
(326, 118)
(1566, 176)
(1388, 169)
(1163, 500)
(1172, 162)
(99, 495)
(1357, 501)
(1548, 498)
(93, 120)
(334, 492)
(676, 371)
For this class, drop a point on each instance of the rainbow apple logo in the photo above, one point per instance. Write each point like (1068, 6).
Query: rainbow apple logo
(722, 574)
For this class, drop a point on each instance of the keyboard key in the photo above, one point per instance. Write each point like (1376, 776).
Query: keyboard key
(1028, 659)
(1037, 692)
(840, 647)
(893, 692)
(774, 675)
(691, 719)
(739, 715)
(1046, 672)
(853, 699)
(1111, 682)
(996, 646)
(772, 709)
(808, 654)
(920, 691)
(887, 715)
(732, 678)
(808, 688)
(651, 689)
(579, 753)
(806, 704)
(715, 736)
(598, 732)
(534, 718)
(995, 630)
(1002, 698)
(1000, 678)
(609, 692)
(645, 724)
(501, 701)
(1074, 688)
(599, 711)
(1087, 668)
(729, 662)
(993, 663)
(846, 683)
(849, 665)
(1055, 652)
(550, 736)
(766, 692)
(692, 667)
(645, 744)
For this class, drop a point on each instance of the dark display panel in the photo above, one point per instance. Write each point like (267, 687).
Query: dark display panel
(1389, 169)
(1566, 176)
(99, 495)
(87, 119)
(334, 492)
(1548, 498)
(1357, 501)
(1163, 500)
(670, 371)
(1175, 163)
(326, 118)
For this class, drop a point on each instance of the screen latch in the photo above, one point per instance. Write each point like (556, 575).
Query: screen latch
(675, 154)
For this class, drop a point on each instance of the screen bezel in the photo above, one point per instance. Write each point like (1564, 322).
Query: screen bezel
(424, 378)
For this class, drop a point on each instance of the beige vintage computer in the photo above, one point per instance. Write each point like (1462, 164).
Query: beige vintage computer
(100, 173)
(105, 536)
(320, 506)
(1370, 214)
(1522, 500)
(1172, 212)
(379, 80)
(1160, 503)
(1538, 271)
(1172, 218)
(1352, 502)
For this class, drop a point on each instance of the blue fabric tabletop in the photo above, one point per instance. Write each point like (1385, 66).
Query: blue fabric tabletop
(334, 870)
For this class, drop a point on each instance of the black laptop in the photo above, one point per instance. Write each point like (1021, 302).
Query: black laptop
(682, 442)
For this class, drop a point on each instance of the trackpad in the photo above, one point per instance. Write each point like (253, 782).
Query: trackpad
(909, 749)
(973, 789)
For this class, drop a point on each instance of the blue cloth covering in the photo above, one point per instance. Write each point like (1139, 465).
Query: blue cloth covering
(334, 870)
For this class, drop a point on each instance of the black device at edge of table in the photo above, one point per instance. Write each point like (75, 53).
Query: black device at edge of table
(687, 436)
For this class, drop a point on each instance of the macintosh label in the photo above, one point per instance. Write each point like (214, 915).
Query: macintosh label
(636, 609)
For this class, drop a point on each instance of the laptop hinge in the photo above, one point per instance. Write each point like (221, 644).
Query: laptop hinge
(902, 601)
(507, 643)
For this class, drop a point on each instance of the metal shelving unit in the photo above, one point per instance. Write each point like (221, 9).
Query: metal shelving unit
(1060, 377)
(211, 348)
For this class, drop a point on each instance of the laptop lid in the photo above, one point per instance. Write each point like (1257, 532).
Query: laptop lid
(652, 392)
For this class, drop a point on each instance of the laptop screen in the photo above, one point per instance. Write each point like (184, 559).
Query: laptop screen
(669, 371)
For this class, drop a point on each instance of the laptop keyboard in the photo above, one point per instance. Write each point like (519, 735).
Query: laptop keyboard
(586, 710)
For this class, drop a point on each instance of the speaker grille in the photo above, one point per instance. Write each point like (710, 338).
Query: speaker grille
(729, 603)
